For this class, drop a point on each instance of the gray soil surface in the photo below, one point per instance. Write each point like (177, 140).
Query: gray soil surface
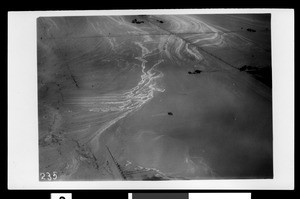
(155, 97)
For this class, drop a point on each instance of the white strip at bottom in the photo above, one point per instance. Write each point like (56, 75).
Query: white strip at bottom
(219, 195)
(214, 196)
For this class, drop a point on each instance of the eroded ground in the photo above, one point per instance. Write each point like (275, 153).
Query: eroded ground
(155, 97)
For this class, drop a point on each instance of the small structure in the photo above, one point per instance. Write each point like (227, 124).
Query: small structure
(170, 113)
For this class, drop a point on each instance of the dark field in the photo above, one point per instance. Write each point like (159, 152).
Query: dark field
(155, 97)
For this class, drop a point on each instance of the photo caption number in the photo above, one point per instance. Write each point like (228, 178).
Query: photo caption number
(54, 175)
(42, 176)
(48, 176)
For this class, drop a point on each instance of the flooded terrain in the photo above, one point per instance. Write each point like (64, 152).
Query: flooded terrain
(155, 97)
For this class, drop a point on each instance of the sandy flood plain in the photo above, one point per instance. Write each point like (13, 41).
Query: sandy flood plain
(117, 101)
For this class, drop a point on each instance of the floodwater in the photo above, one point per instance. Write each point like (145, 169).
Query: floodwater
(154, 97)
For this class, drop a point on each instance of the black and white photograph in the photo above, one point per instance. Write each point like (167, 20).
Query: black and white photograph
(154, 97)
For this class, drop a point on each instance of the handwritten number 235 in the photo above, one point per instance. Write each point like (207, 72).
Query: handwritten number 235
(48, 176)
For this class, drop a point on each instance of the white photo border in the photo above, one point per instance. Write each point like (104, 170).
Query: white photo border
(23, 119)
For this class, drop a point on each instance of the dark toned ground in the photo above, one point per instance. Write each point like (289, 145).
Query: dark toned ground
(155, 97)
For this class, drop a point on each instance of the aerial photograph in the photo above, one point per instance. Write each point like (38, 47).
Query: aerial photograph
(154, 97)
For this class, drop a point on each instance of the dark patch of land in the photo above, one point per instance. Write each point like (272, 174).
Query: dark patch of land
(263, 74)
(153, 178)
(195, 72)
(136, 21)
(251, 30)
